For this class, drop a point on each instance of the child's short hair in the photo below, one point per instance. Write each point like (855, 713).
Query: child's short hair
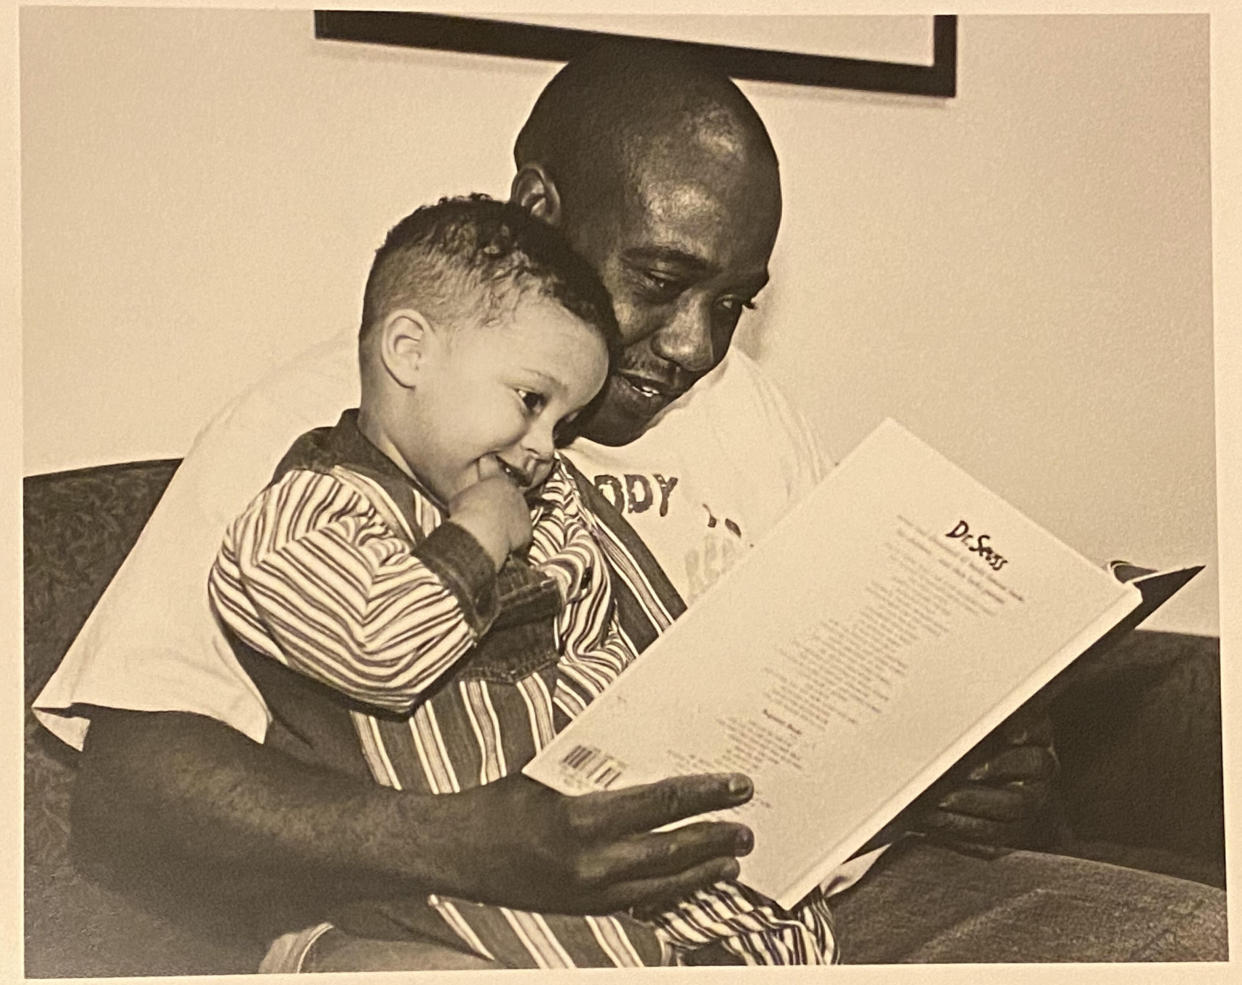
(471, 260)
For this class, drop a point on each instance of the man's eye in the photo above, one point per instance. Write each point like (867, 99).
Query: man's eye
(661, 282)
(735, 306)
(564, 433)
(533, 401)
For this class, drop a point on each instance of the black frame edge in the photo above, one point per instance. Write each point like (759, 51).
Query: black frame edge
(444, 32)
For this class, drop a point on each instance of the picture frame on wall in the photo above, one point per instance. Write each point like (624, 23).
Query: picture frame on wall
(551, 42)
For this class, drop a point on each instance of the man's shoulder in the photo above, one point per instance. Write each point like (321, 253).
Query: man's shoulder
(237, 451)
(757, 428)
(737, 373)
(304, 393)
(740, 387)
(743, 398)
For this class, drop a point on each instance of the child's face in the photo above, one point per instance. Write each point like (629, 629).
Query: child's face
(489, 398)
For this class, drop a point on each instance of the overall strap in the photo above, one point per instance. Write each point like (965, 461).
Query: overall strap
(647, 602)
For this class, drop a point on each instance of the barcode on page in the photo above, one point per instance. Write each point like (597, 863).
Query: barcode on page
(600, 769)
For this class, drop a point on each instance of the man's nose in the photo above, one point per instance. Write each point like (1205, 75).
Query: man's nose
(686, 340)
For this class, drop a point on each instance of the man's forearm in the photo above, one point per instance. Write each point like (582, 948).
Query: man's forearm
(174, 793)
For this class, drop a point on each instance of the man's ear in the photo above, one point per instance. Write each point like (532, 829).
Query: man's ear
(535, 191)
(404, 343)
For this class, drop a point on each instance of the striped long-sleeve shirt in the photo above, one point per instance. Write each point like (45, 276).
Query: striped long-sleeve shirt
(345, 573)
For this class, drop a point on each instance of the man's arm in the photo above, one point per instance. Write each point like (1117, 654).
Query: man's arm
(174, 795)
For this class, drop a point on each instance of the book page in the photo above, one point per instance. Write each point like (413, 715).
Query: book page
(885, 625)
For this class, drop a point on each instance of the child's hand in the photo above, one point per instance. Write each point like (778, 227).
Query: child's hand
(495, 513)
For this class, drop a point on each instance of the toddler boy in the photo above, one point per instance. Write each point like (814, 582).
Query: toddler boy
(420, 596)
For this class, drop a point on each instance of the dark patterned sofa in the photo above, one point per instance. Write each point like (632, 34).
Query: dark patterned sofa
(1138, 735)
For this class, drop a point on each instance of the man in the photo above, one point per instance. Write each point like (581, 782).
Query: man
(664, 178)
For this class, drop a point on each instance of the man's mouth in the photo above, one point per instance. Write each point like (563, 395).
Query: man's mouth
(654, 390)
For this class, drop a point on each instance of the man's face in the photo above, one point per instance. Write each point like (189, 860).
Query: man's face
(490, 398)
(683, 255)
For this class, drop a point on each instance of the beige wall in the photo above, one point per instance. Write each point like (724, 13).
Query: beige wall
(1021, 275)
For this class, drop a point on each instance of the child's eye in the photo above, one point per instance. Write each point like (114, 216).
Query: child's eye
(533, 402)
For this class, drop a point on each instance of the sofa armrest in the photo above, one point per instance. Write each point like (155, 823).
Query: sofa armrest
(1138, 734)
(78, 528)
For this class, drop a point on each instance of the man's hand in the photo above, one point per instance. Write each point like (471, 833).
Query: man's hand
(998, 795)
(521, 844)
(495, 513)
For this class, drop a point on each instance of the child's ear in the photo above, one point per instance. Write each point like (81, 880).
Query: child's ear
(405, 338)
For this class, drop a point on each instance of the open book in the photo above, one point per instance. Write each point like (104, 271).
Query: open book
(886, 625)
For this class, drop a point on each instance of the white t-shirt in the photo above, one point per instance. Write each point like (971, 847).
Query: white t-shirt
(711, 476)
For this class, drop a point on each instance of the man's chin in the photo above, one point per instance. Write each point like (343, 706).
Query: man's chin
(613, 430)
(621, 414)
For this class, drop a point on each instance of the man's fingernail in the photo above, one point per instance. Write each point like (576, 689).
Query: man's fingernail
(979, 773)
(739, 785)
(745, 842)
(1019, 738)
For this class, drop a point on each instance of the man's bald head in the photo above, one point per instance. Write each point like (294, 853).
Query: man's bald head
(661, 174)
(627, 108)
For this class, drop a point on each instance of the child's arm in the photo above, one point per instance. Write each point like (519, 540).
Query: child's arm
(593, 652)
(315, 576)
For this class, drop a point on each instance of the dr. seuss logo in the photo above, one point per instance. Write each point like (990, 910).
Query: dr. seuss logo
(977, 544)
